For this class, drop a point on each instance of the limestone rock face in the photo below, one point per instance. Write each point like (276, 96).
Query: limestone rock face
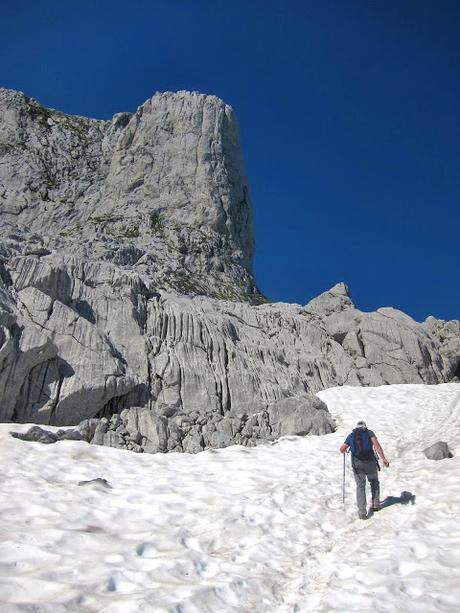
(92, 340)
(447, 334)
(127, 301)
(162, 190)
(386, 346)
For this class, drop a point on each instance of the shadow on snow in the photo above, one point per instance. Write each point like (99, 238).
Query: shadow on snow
(404, 498)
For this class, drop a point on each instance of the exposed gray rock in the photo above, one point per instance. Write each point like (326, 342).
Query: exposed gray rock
(100, 432)
(336, 300)
(127, 301)
(386, 346)
(438, 451)
(87, 429)
(37, 435)
(69, 435)
(447, 333)
(98, 482)
(113, 439)
(40, 435)
(162, 190)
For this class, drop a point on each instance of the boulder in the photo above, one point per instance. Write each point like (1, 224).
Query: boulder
(438, 451)
(37, 435)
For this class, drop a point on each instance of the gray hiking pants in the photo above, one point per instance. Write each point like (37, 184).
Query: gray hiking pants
(361, 470)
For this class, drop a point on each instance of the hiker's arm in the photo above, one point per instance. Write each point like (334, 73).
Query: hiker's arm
(344, 448)
(379, 450)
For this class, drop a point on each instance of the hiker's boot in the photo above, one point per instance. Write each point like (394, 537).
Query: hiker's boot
(362, 515)
(376, 506)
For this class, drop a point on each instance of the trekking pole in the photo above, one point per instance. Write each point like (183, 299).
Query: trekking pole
(343, 484)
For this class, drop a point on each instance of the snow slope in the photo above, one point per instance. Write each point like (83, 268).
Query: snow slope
(260, 529)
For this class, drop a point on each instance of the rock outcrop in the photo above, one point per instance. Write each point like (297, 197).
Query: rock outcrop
(162, 190)
(438, 451)
(386, 346)
(127, 294)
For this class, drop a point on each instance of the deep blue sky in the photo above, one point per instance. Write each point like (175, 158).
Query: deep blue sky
(348, 111)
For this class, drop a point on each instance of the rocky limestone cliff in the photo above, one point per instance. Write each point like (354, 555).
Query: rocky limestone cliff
(127, 297)
(161, 191)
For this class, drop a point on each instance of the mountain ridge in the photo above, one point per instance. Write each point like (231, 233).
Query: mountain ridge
(127, 293)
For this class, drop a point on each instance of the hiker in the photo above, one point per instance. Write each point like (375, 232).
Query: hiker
(362, 443)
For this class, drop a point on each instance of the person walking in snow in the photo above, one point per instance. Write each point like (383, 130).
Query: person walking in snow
(362, 443)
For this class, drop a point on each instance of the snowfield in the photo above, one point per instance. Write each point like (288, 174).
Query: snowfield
(238, 529)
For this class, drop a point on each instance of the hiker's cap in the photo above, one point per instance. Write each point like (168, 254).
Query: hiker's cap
(361, 424)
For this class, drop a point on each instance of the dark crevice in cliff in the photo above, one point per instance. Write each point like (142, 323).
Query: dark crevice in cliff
(139, 396)
(5, 276)
(457, 372)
